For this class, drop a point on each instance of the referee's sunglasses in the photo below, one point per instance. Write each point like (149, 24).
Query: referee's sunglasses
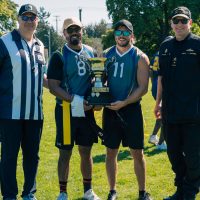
(120, 32)
(27, 18)
(183, 21)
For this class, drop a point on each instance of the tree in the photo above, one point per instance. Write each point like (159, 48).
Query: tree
(96, 30)
(108, 39)
(94, 43)
(47, 34)
(150, 18)
(8, 15)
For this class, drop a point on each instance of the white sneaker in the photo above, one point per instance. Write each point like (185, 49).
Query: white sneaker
(90, 195)
(162, 146)
(153, 139)
(62, 196)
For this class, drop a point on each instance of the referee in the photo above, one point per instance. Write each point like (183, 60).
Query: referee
(21, 117)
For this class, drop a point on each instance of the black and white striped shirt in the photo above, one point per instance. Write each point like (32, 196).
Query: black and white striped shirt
(21, 77)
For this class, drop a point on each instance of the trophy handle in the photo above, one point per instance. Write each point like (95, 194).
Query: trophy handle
(109, 63)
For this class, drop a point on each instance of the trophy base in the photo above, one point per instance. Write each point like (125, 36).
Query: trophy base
(104, 99)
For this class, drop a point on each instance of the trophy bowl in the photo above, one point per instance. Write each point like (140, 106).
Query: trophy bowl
(100, 94)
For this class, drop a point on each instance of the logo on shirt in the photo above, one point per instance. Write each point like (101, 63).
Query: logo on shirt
(174, 62)
(190, 52)
(166, 52)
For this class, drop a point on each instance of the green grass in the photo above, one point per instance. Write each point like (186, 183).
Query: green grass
(159, 174)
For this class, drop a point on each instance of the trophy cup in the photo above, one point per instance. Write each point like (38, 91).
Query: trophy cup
(100, 94)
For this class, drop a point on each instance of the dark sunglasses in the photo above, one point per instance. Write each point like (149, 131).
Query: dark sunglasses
(27, 18)
(124, 33)
(70, 30)
(183, 21)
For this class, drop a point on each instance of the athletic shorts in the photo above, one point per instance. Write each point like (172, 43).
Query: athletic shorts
(124, 125)
(81, 129)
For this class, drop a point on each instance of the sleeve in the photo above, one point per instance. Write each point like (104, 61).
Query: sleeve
(160, 71)
(55, 67)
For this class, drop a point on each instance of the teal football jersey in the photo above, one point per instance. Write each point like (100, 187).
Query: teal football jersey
(122, 74)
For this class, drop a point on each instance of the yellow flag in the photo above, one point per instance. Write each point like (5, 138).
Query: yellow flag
(66, 124)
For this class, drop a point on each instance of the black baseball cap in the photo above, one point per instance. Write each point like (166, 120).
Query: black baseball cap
(125, 23)
(181, 12)
(27, 8)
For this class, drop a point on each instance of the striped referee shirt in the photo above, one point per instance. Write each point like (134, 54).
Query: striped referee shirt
(21, 77)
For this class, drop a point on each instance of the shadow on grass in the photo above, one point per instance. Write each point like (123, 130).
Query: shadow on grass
(125, 154)
(122, 155)
(151, 151)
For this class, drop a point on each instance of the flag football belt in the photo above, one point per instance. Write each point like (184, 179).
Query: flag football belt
(66, 123)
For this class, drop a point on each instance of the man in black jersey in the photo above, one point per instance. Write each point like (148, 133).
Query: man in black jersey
(179, 90)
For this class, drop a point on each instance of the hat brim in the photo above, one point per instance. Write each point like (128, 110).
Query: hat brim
(81, 26)
(121, 24)
(28, 12)
(180, 15)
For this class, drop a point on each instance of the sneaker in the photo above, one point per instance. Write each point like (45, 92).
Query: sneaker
(146, 196)
(153, 139)
(90, 195)
(29, 197)
(62, 196)
(112, 196)
(162, 146)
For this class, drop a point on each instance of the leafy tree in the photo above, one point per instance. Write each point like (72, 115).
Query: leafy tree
(8, 15)
(95, 43)
(47, 33)
(96, 30)
(150, 18)
(108, 39)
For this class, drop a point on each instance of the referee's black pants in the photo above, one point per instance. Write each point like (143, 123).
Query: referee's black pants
(16, 133)
(183, 148)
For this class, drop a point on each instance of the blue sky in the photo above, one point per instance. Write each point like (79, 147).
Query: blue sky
(92, 10)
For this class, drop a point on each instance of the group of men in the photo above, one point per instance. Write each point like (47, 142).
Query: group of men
(21, 118)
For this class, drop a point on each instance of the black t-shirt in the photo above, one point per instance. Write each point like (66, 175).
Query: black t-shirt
(55, 67)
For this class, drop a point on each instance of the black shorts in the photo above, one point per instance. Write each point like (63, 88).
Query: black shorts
(125, 125)
(81, 129)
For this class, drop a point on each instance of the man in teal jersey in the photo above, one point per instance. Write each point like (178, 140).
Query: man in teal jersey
(122, 121)
(69, 80)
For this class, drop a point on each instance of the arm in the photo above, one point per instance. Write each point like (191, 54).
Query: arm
(157, 109)
(141, 90)
(55, 89)
(45, 81)
(143, 80)
(55, 76)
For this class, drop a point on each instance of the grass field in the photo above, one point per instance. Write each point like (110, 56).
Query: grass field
(159, 174)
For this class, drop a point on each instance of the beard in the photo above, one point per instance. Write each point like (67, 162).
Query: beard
(74, 40)
(125, 44)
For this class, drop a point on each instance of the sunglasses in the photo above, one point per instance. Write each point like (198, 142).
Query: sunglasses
(70, 30)
(27, 18)
(183, 21)
(124, 33)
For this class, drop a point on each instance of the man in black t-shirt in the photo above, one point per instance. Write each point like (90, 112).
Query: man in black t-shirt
(69, 80)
